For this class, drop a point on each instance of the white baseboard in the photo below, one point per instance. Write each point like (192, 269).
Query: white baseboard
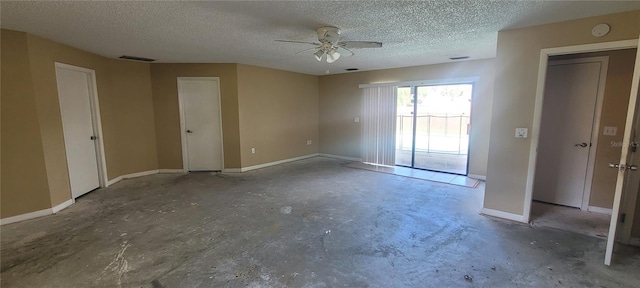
(65, 204)
(479, 177)
(132, 175)
(340, 157)
(26, 216)
(254, 167)
(634, 242)
(503, 215)
(600, 210)
(171, 171)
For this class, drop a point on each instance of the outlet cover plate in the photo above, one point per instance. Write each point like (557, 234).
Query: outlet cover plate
(521, 132)
(610, 131)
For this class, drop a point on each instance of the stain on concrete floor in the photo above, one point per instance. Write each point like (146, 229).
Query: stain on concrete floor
(311, 223)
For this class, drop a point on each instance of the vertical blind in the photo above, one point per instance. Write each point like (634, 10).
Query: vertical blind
(379, 125)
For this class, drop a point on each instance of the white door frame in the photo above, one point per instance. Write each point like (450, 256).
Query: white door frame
(183, 129)
(595, 128)
(95, 115)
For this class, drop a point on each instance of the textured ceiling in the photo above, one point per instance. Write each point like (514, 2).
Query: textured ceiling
(413, 33)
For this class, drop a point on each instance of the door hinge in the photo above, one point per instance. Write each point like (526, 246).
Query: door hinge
(622, 217)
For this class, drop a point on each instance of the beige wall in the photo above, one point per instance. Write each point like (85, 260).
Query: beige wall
(24, 186)
(615, 102)
(341, 100)
(131, 125)
(516, 66)
(164, 79)
(278, 114)
(124, 93)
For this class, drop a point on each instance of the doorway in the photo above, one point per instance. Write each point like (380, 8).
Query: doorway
(81, 127)
(201, 123)
(568, 138)
(621, 163)
(432, 127)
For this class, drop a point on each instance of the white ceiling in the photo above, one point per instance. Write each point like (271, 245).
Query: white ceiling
(413, 33)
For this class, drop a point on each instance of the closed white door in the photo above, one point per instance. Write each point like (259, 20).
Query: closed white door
(200, 100)
(77, 123)
(565, 137)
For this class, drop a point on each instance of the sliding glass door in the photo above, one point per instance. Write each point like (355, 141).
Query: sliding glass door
(432, 127)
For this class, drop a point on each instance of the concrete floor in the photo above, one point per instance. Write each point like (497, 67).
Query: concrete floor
(311, 223)
(570, 219)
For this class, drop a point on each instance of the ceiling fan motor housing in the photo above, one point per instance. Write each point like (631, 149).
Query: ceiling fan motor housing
(328, 34)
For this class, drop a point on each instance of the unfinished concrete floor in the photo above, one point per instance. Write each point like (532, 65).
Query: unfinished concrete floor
(311, 223)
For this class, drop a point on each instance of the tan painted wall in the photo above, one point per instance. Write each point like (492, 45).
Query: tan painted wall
(124, 92)
(24, 185)
(341, 101)
(516, 66)
(278, 114)
(164, 80)
(131, 125)
(615, 102)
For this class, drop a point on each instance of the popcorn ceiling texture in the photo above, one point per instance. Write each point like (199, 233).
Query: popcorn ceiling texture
(413, 33)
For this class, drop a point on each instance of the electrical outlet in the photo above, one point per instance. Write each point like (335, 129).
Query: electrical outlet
(308, 142)
(253, 150)
(521, 132)
(610, 131)
(357, 120)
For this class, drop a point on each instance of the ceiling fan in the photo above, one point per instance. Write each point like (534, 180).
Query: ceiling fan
(329, 44)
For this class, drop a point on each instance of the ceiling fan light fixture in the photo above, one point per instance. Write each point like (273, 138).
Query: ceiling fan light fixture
(319, 55)
(332, 56)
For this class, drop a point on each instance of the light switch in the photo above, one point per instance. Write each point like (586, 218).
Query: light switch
(357, 120)
(610, 131)
(521, 132)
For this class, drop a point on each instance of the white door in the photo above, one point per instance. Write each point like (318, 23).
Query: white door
(623, 166)
(631, 187)
(565, 136)
(202, 129)
(74, 92)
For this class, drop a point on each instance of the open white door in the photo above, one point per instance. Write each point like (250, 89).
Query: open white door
(622, 166)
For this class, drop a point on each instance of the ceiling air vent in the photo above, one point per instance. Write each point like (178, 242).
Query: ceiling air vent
(459, 58)
(134, 58)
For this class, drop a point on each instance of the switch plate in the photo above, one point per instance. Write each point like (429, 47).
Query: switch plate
(253, 150)
(357, 120)
(610, 131)
(521, 132)
(308, 142)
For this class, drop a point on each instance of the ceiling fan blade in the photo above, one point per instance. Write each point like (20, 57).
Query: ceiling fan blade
(347, 49)
(300, 42)
(360, 44)
(305, 50)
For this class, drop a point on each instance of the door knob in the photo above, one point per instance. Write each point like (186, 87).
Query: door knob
(581, 145)
(189, 131)
(632, 167)
(614, 165)
(93, 137)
